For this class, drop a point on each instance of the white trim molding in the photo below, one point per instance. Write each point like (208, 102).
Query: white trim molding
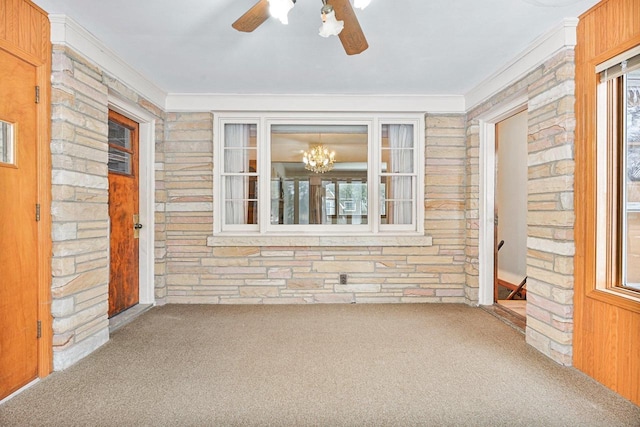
(561, 37)
(67, 32)
(315, 241)
(177, 102)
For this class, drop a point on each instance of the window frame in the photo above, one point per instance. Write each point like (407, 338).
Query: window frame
(374, 123)
(611, 162)
(134, 143)
(418, 172)
(8, 148)
(219, 195)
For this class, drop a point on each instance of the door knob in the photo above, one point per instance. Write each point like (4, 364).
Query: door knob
(136, 226)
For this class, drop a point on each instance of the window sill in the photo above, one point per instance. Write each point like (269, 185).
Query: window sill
(625, 299)
(221, 240)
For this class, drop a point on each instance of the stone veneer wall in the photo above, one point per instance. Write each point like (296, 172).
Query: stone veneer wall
(80, 234)
(550, 216)
(198, 273)
(188, 270)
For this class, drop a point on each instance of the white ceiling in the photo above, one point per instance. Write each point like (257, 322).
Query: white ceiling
(416, 47)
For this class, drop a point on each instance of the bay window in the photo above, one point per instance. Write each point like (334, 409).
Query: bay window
(295, 174)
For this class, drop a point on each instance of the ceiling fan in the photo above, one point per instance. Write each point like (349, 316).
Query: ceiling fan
(351, 36)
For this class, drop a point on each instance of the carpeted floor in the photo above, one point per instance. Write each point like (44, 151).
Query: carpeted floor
(318, 365)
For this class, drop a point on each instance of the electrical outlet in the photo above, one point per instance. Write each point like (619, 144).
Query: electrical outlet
(343, 279)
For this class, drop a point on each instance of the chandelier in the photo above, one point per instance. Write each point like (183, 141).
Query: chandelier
(319, 159)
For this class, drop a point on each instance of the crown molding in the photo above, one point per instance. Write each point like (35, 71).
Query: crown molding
(67, 32)
(316, 103)
(561, 37)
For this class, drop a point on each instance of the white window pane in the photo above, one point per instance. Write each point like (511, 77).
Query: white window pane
(241, 212)
(302, 195)
(119, 148)
(633, 248)
(119, 135)
(240, 153)
(119, 161)
(397, 213)
(241, 200)
(632, 181)
(398, 148)
(397, 195)
(240, 136)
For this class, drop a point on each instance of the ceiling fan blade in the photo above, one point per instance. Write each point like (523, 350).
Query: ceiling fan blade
(253, 17)
(351, 36)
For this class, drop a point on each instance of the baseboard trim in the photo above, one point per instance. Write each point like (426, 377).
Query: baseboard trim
(20, 390)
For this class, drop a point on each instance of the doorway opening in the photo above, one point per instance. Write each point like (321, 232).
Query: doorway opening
(510, 234)
(490, 291)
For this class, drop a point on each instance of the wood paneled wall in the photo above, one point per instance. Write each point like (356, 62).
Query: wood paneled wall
(25, 33)
(606, 341)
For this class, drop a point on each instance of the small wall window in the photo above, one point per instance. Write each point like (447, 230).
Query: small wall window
(345, 175)
(120, 151)
(619, 156)
(7, 143)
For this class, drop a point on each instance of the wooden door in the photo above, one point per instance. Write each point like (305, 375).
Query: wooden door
(18, 228)
(123, 210)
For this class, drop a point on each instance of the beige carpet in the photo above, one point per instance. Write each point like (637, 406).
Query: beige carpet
(318, 365)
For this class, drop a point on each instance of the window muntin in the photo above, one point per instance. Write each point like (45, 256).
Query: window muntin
(351, 199)
(619, 188)
(7, 143)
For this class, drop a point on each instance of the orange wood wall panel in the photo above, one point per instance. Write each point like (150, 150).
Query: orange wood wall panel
(606, 328)
(3, 22)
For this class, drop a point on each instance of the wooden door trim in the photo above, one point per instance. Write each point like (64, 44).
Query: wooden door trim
(19, 53)
(45, 344)
(146, 180)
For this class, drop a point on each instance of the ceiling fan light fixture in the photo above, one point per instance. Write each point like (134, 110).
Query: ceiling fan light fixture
(330, 25)
(279, 9)
(361, 4)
